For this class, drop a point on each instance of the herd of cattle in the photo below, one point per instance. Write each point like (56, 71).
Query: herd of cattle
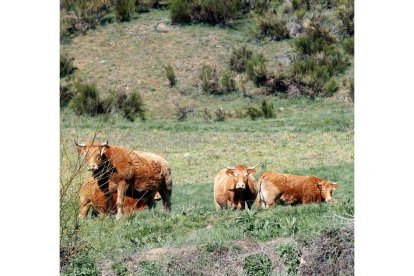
(124, 181)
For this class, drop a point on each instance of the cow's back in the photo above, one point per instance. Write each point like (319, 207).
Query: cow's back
(221, 187)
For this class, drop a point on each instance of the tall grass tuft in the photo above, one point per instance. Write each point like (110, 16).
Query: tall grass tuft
(268, 109)
(169, 72)
(86, 100)
(124, 10)
(239, 58)
(256, 69)
(271, 25)
(227, 82)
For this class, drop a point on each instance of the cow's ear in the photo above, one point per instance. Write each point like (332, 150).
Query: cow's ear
(335, 185)
(251, 171)
(230, 172)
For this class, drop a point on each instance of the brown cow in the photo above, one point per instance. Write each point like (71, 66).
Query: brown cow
(91, 196)
(125, 172)
(292, 189)
(234, 187)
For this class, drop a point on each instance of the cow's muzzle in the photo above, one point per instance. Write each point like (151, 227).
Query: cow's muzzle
(240, 186)
(92, 167)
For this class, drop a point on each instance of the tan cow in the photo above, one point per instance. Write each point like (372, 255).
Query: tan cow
(90, 196)
(126, 172)
(292, 189)
(234, 187)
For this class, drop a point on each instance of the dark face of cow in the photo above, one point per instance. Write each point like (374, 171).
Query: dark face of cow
(93, 154)
(240, 175)
(327, 188)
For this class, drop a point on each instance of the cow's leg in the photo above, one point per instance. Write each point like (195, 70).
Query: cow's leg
(166, 192)
(151, 203)
(84, 208)
(121, 190)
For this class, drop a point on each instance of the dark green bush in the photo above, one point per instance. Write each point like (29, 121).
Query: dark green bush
(180, 11)
(273, 26)
(227, 82)
(124, 10)
(319, 58)
(86, 100)
(133, 107)
(254, 112)
(346, 16)
(256, 69)
(257, 265)
(169, 72)
(268, 109)
(348, 44)
(66, 65)
(208, 11)
(66, 93)
(289, 253)
(239, 58)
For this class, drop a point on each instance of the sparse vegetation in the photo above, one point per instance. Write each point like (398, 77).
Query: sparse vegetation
(290, 255)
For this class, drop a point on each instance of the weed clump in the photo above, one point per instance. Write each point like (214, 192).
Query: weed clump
(212, 84)
(256, 69)
(86, 100)
(169, 72)
(66, 93)
(208, 11)
(66, 65)
(257, 265)
(124, 10)
(239, 58)
(266, 110)
(82, 266)
(273, 26)
(220, 115)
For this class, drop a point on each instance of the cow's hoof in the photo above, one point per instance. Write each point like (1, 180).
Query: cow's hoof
(118, 216)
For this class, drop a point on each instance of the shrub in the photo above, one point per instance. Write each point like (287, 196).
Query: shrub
(66, 65)
(257, 265)
(133, 107)
(179, 11)
(66, 93)
(348, 44)
(256, 69)
(268, 110)
(289, 254)
(330, 87)
(346, 16)
(124, 10)
(239, 58)
(209, 79)
(351, 88)
(254, 112)
(227, 82)
(169, 71)
(120, 269)
(220, 115)
(86, 100)
(216, 12)
(182, 111)
(208, 11)
(272, 26)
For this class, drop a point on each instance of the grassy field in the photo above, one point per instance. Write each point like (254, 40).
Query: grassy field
(309, 137)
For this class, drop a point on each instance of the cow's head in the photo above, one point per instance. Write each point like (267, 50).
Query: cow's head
(327, 188)
(93, 153)
(240, 174)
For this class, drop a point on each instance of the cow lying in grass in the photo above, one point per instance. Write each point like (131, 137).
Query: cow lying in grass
(91, 196)
(234, 187)
(126, 172)
(293, 189)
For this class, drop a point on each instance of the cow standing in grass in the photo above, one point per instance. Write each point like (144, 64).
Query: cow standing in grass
(293, 189)
(91, 196)
(125, 172)
(234, 187)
